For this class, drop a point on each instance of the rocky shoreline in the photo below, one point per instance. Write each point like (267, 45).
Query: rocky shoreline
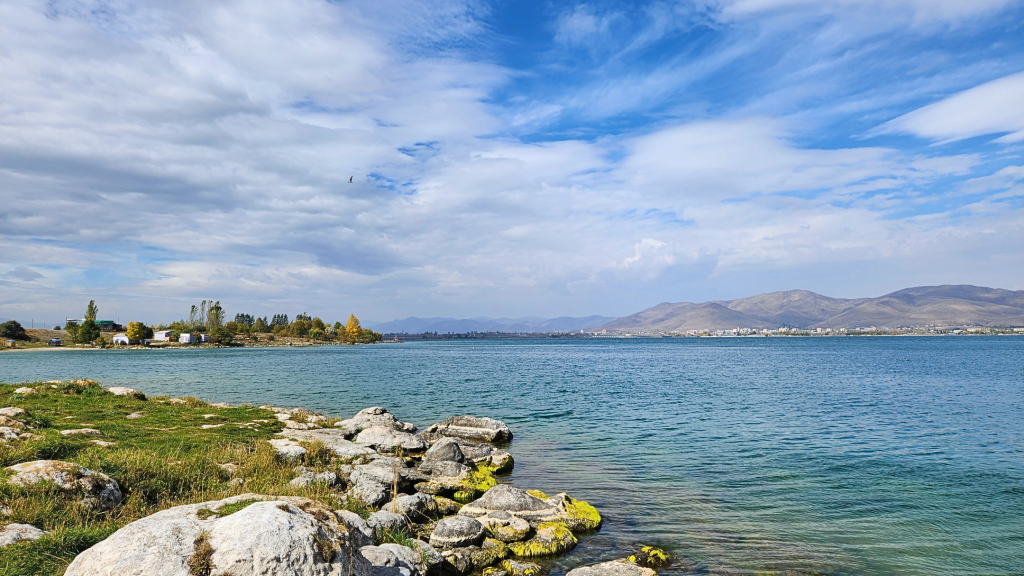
(382, 498)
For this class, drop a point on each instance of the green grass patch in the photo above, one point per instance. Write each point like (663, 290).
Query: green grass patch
(163, 459)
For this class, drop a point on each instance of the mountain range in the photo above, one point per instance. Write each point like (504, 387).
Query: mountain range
(527, 324)
(922, 306)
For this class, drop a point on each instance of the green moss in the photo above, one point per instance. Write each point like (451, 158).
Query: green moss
(650, 557)
(507, 533)
(464, 496)
(514, 568)
(582, 517)
(551, 538)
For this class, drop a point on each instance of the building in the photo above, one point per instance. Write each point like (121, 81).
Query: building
(204, 338)
(120, 339)
(163, 335)
(187, 339)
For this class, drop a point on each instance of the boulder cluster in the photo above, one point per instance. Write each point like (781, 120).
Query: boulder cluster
(434, 507)
(439, 487)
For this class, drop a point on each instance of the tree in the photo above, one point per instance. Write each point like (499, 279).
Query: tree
(318, 324)
(300, 327)
(260, 325)
(280, 320)
(72, 329)
(136, 331)
(215, 316)
(316, 334)
(91, 311)
(352, 329)
(88, 332)
(244, 320)
(13, 330)
(221, 335)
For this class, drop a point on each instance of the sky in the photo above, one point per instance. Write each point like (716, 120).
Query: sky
(502, 159)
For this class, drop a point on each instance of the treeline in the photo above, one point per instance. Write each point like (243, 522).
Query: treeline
(304, 327)
(209, 318)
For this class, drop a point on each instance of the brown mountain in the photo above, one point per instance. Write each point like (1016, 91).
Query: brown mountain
(922, 306)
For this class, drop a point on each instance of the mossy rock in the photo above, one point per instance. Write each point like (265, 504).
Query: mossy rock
(650, 557)
(490, 552)
(580, 516)
(508, 533)
(514, 568)
(551, 538)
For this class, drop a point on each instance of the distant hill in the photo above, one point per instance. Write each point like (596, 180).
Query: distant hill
(925, 305)
(529, 324)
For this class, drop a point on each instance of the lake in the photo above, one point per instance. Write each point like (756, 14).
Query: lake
(859, 456)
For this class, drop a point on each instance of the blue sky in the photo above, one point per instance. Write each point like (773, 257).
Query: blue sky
(508, 158)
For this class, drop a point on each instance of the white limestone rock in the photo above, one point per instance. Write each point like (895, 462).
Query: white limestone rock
(375, 416)
(14, 533)
(287, 450)
(390, 440)
(124, 391)
(613, 568)
(334, 440)
(274, 537)
(81, 432)
(100, 490)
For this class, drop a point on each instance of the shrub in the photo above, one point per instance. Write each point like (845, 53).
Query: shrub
(13, 330)
(221, 335)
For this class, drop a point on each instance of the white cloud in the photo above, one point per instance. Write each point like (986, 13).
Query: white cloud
(991, 108)
(188, 150)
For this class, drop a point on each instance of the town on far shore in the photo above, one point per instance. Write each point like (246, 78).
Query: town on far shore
(206, 325)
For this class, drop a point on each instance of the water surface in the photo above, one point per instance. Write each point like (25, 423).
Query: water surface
(859, 456)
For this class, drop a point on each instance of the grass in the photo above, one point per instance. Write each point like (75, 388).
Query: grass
(161, 460)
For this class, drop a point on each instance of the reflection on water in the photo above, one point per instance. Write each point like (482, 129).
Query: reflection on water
(855, 456)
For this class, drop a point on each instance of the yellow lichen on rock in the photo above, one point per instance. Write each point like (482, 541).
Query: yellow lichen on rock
(581, 516)
(538, 494)
(650, 557)
(551, 538)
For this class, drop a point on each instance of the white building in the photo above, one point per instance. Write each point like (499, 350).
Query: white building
(123, 339)
(187, 339)
(163, 335)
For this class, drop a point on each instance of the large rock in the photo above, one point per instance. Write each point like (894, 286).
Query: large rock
(390, 440)
(374, 483)
(394, 560)
(99, 490)
(444, 450)
(456, 532)
(276, 537)
(417, 507)
(383, 521)
(536, 507)
(514, 501)
(12, 412)
(473, 428)
(370, 417)
(551, 538)
(503, 526)
(613, 568)
(14, 533)
(334, 440)
(516, 568)
(287, 450)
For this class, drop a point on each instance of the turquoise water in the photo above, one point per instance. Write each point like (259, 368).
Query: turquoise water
(856, 456)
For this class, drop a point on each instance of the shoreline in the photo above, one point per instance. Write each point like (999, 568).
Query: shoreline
(381, 491)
